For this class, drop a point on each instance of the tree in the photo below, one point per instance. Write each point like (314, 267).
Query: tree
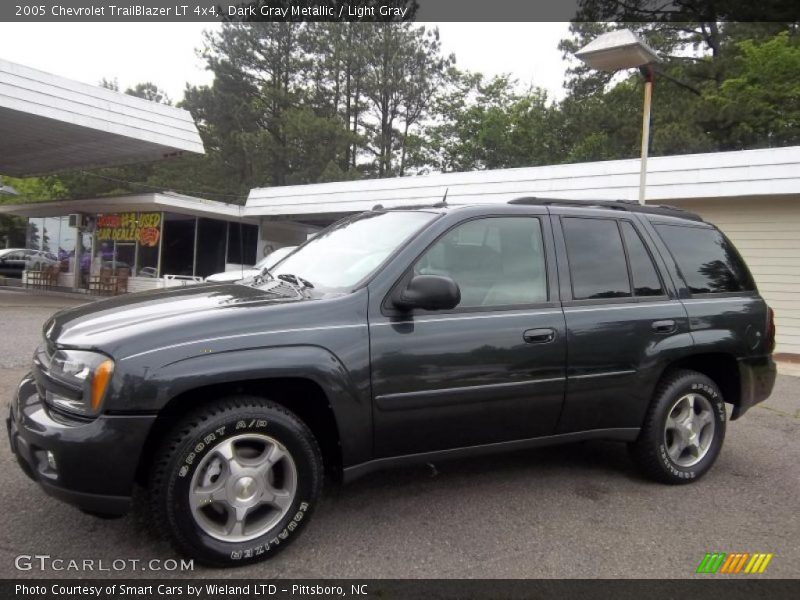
(403, 68)
(602, 111)
(490, 124)
(760, 106)
(149, 91)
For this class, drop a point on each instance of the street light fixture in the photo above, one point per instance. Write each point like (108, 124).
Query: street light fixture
(623, 49)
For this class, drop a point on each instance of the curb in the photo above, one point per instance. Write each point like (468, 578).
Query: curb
(51, 293)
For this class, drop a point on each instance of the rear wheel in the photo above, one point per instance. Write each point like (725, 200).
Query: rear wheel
(236, 481)
(683, 431)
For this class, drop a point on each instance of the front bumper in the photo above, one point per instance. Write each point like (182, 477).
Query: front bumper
(757, 376)
(95, 461)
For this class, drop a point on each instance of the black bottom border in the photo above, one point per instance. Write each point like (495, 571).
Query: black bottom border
(731, 588)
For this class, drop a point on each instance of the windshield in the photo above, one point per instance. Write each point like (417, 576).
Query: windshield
(350, 250)
(273, 257)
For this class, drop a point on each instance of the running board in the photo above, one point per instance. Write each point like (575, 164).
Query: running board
(625, 434)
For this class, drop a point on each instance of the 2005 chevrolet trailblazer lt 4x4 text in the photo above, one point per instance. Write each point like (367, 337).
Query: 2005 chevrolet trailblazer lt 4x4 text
(394, 337)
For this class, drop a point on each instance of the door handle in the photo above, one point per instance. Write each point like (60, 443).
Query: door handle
(665, 326)
(539, 336)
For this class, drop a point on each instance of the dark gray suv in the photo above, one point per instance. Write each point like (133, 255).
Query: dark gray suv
(394, 337)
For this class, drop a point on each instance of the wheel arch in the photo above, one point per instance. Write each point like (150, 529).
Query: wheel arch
(721, 367)
(304, 396)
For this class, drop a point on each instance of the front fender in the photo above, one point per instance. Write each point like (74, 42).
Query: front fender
(347, 395)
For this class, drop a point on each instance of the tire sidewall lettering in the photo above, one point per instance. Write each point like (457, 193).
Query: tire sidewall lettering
(208, 439)
(283, 536)
(192, 454)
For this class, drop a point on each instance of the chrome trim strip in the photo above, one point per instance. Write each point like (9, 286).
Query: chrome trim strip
(453, 395)
(469, 317)
(603, 374)
(619, 306)
(714, 300)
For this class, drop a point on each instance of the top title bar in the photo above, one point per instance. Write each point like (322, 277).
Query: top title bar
(284, 10)
(363, 10)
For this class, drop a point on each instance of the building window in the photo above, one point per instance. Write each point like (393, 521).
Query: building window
(242, 243)
(210, 247)
(177, 254)
(127, 242)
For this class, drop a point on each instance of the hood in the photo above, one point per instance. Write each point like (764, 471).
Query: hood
(170, 313)
(235, 275)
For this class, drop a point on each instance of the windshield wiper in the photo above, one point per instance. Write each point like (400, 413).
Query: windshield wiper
(264, 276)
(296, 280)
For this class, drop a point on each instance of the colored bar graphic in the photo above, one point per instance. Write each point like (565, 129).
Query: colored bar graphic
(758, 563)
(720, 562)
(711, 562)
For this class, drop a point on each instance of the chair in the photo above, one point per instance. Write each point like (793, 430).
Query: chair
(121, 283)
(51, 276)
(107, 282)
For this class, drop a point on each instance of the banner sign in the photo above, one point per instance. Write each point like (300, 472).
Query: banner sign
(144, 228)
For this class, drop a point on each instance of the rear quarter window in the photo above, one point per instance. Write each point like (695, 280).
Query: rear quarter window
(708, 261)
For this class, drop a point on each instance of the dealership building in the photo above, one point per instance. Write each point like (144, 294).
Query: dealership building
(48, 124)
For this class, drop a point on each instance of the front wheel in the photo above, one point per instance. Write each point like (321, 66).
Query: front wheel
(683, 431)
(236, 481)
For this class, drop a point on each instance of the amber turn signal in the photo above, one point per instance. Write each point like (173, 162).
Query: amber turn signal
(102, 375)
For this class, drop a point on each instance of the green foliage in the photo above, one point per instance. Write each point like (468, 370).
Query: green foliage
(295, 103)
(760, 105)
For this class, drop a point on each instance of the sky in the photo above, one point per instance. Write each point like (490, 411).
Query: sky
(165, 53)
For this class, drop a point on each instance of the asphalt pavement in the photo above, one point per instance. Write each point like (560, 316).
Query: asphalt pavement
(571, 511)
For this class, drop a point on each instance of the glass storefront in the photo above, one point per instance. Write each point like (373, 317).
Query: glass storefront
(127, 243)
(55, 236)
(144, 244)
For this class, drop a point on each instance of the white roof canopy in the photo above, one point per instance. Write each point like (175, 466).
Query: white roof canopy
(149, 202)
(743, 174)
(50, 123)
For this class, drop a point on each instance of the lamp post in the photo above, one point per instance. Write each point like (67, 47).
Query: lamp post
(623, 49)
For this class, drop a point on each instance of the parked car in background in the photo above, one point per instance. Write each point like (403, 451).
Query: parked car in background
(147, 272)
(13, 261)
(269, 261)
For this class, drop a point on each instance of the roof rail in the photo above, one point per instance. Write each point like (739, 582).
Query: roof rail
(439, 204)
(626, 205)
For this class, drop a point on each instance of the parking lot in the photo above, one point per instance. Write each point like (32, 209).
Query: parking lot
(570, 511)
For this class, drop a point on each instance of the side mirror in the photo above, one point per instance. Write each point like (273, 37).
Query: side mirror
(429, 292)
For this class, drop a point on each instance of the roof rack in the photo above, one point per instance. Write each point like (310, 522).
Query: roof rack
(439, 204)
(626, 205)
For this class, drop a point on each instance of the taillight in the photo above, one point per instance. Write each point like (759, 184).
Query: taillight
(770, 341)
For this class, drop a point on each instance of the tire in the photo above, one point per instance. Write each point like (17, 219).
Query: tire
(236, 481)
(669, 425)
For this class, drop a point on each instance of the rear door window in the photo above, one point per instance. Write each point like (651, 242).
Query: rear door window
(645, 277)
(596, 259)
(707, 261)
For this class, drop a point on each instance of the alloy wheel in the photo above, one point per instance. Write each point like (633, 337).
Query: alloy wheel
(243, 486)
(689, 429)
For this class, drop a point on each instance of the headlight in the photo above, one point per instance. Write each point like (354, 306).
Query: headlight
(86, 372)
